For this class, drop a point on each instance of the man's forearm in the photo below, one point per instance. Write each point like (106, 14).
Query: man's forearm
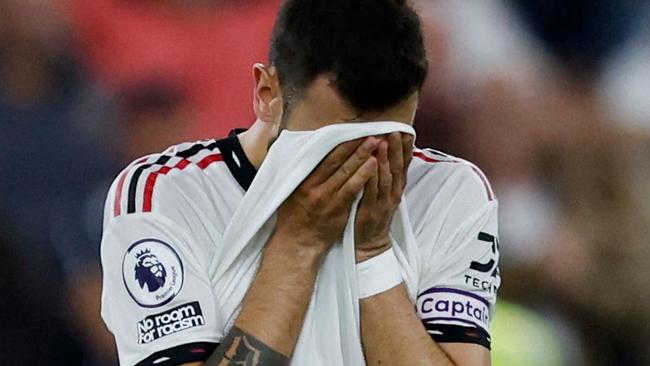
(243, 349)
(392, 334)
(274, 308)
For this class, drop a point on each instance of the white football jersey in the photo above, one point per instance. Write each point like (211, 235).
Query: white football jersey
(163, 223)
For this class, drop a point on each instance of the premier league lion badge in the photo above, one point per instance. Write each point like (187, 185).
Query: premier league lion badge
(152, 272)
(149, 271)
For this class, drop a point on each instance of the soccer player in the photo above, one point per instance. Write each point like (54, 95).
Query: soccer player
(331, 61)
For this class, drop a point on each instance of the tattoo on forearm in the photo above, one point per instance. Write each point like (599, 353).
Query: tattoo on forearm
(241, 349)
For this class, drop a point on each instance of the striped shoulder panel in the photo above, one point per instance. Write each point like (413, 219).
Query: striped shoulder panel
(432, 156)
(135, 185)
(435, 156)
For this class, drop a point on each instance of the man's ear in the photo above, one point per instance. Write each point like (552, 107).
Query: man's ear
(267, 96)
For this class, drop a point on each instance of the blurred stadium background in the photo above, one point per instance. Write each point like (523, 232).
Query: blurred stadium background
(550, 97)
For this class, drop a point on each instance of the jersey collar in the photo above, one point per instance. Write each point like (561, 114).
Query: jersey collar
(235, 158)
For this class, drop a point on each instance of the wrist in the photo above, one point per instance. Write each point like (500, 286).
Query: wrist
(296, 250)
(378, 274)
(365, 252)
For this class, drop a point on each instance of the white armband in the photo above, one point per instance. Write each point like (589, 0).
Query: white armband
(378, 274)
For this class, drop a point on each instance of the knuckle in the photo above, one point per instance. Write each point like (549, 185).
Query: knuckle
(345, 170)
(315, 196)
(333, 164)
(366, 174)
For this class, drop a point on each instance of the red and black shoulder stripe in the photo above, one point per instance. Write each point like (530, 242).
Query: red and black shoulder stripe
(432, 156)
(135, 185)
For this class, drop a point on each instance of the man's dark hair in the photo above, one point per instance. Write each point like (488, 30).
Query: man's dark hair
(373, 50)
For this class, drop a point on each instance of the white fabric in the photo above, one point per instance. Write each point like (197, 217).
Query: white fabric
(449, 204)
(378, 274)
(191, 316)
(330, 335)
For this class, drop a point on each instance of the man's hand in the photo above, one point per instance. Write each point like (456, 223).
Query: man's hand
(391, 331)
(382, 195)
(309, 222)
(317, 212)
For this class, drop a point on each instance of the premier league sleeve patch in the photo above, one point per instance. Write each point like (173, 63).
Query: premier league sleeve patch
(152, 272)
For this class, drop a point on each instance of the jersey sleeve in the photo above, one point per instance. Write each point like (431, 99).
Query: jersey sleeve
(157, 299)
(459, 273)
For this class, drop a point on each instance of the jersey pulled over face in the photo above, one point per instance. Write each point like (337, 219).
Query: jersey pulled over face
(163, 223)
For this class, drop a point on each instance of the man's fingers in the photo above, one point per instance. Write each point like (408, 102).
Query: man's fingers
(333, 161)
(407, 148)
(352, 164)
(396, 159)
(385, 175)
(358, 180)
(371, 190)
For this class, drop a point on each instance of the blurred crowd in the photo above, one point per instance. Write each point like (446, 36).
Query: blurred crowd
(550, 98)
